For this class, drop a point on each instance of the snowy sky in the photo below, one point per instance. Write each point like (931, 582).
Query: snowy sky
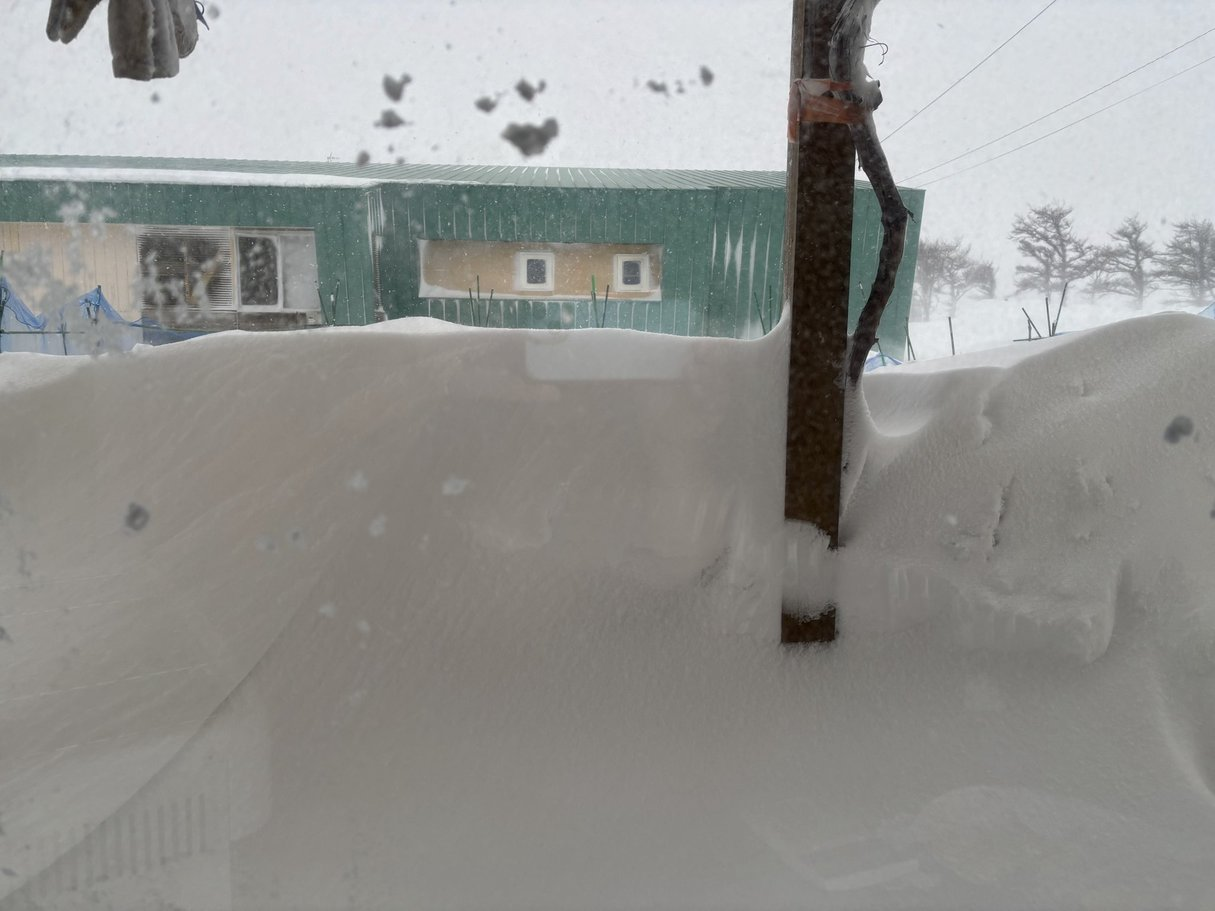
(302, 80)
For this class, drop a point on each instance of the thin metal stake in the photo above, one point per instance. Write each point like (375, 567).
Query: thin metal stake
(1031, 328)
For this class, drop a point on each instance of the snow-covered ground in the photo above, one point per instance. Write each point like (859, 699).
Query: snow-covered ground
(981, 325)
(423, 616)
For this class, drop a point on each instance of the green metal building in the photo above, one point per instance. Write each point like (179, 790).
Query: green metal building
(681, 252)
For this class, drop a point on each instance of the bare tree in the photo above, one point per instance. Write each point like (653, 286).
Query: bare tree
(1046, 238)
(981, 277)
(1123, 267)
(932, 267)
(1188, 261)
(1102, 279)
(849, 38)
(945, 270)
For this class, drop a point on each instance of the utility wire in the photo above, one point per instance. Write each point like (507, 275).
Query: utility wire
(1067, 126)
(1074, 101)
(969, 71)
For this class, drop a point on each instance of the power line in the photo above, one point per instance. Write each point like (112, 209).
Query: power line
(969, 71)
(1074, 101)
(1067, 126)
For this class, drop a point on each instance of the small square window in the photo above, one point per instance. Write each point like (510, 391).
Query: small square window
(632, 272)
(534, 271)
(537, 271)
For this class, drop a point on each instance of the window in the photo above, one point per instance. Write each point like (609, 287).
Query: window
(534, 271)
(191, 269)
(185, 267)
(259, 271)
(631, 272)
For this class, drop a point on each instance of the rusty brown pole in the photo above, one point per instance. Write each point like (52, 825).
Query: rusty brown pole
(817, 263)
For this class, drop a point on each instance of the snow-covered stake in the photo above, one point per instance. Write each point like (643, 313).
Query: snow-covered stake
(475, 304)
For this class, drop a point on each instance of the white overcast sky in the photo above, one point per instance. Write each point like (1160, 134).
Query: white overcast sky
(300, 79)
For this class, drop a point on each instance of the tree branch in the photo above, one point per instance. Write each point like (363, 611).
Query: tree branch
(848, 39)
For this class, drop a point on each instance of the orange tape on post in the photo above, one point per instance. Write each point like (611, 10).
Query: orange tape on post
(810, 101)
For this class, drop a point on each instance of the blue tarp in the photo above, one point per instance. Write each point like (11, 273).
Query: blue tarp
(91, 325)
(17, 321)
(881, 360)
(15, 308)
(95, 306)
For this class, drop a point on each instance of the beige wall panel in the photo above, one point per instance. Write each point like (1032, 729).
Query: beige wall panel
(10, 239)
(52, 264)
(123, 249)
(113, 255)
(451, 267)
(36, 266)
(57, 239)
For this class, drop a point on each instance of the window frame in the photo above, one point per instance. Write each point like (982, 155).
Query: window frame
(227, 238)
(280, 301)
(550, 260)
(183, 235)
(618, 285)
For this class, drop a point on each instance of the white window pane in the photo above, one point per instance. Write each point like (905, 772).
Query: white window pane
(537, 272)
(298, 250)
(259, 279)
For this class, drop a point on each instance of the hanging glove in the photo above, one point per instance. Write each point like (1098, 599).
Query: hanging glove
(148, 37)
(186, 16)
(68, 18)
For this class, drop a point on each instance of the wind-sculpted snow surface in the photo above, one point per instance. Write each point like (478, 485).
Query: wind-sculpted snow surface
(422, 616)
(1045, 501)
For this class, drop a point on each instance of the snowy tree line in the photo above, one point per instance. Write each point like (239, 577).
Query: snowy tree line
(1127, 263)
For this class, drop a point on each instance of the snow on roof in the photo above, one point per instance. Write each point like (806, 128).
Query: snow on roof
(179, 176)
(295, 173)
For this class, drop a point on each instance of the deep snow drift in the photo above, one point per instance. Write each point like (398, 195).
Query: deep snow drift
(422, 616)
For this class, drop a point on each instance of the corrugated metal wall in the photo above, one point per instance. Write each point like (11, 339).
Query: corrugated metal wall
(721, 253)
(721, 246)
(338, 216)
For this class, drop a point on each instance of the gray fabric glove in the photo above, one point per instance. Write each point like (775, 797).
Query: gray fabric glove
(148, 37)
(185, 25)
(68, 18)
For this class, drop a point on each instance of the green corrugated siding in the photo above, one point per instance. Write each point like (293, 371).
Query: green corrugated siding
(721, 257)
(337, 217)
(721, 232)
(697, 284)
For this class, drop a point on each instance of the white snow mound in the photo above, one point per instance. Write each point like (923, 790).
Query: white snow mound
(421, 616)
(1040, 501)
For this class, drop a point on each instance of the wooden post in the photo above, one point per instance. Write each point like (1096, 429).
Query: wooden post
(817, 265)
